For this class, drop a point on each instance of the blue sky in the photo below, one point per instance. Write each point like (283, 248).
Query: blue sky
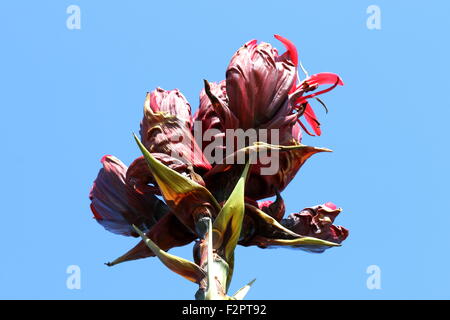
(70, 96)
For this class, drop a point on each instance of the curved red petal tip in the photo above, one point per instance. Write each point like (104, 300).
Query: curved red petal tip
(251, 43)
(290, 47)
(325, 78)
(317, 131)
(330, 205)
(313, 124)
(105, 157)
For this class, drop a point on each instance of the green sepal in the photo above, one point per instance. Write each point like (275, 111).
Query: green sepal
(183, 267)
(228, 222)
(242, 292)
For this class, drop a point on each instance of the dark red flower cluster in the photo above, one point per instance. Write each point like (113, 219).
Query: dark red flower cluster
(262, 91)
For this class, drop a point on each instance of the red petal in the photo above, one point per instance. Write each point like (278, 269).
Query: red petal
(325, 78)
(251, 43)
(290, 47)
(311, 118)
(317, 79)
(105, 157)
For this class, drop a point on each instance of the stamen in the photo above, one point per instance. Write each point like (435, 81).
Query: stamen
(304, 128)
(300, 81)
(312, 95)
(303, 69)
(300, 109)
(323, 104)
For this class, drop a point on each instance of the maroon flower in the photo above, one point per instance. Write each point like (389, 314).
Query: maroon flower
(116, 205)
(262, 90)
(317, 222)
(166, 128)
(310, 230)
(122, 197)
(258, 83)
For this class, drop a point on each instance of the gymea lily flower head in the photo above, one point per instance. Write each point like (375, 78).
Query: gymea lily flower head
(215, 203)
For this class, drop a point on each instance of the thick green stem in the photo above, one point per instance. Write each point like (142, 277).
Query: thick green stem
(214, 285)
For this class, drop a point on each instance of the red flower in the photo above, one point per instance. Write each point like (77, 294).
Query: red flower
(311, 230)
(166, 128)
(261, 91)
(300, 102)
(258, 83)
(116, 205)
(317, 222)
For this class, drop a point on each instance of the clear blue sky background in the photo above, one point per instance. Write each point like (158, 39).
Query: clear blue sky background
(68, 97)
